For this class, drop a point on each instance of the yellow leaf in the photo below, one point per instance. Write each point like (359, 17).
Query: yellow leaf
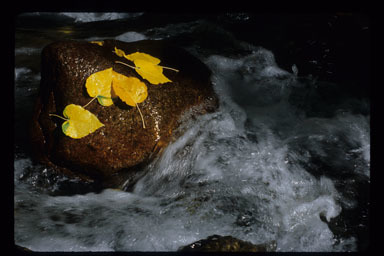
(147, 67)
(101, 43)
(152, 73)
(139, 56)
(80, 122)
(129, 89)
(99, 85)
(119, 52)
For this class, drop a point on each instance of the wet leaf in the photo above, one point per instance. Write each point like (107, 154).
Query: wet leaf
(144, 57)
(101, 43)
(80, 122)
(119, 52)
(129, 89)
(146, 66)
(99, 85)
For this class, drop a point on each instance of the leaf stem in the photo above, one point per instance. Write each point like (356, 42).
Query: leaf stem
(142, 118)
(89, 102)
(120, 62)
(59, 117)
(169, 68)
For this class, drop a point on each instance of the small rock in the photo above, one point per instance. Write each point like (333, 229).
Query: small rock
(218, 243)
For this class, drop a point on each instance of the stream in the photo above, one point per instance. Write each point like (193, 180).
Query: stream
(285, 158)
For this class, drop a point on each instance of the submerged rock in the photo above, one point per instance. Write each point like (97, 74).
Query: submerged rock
(21, 249)
(218, 243)
(117, 151)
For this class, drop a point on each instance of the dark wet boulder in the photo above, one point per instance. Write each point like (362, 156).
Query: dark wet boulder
(218, 243)
(122, 147)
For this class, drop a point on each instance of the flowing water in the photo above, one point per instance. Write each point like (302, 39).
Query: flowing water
(285, 158)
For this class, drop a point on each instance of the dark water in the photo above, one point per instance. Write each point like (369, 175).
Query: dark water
(286, 157)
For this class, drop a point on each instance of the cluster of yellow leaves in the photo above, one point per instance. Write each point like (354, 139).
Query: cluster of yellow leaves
(129, 89)
(146, 66)
(79, 122)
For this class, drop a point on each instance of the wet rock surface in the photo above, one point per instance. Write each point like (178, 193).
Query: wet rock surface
(122, 147)
(216, 243)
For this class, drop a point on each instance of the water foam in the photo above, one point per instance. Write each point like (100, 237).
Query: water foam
(95, 16)
(27, 51)
(131, 36)
(22, 74)
(220, 162)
